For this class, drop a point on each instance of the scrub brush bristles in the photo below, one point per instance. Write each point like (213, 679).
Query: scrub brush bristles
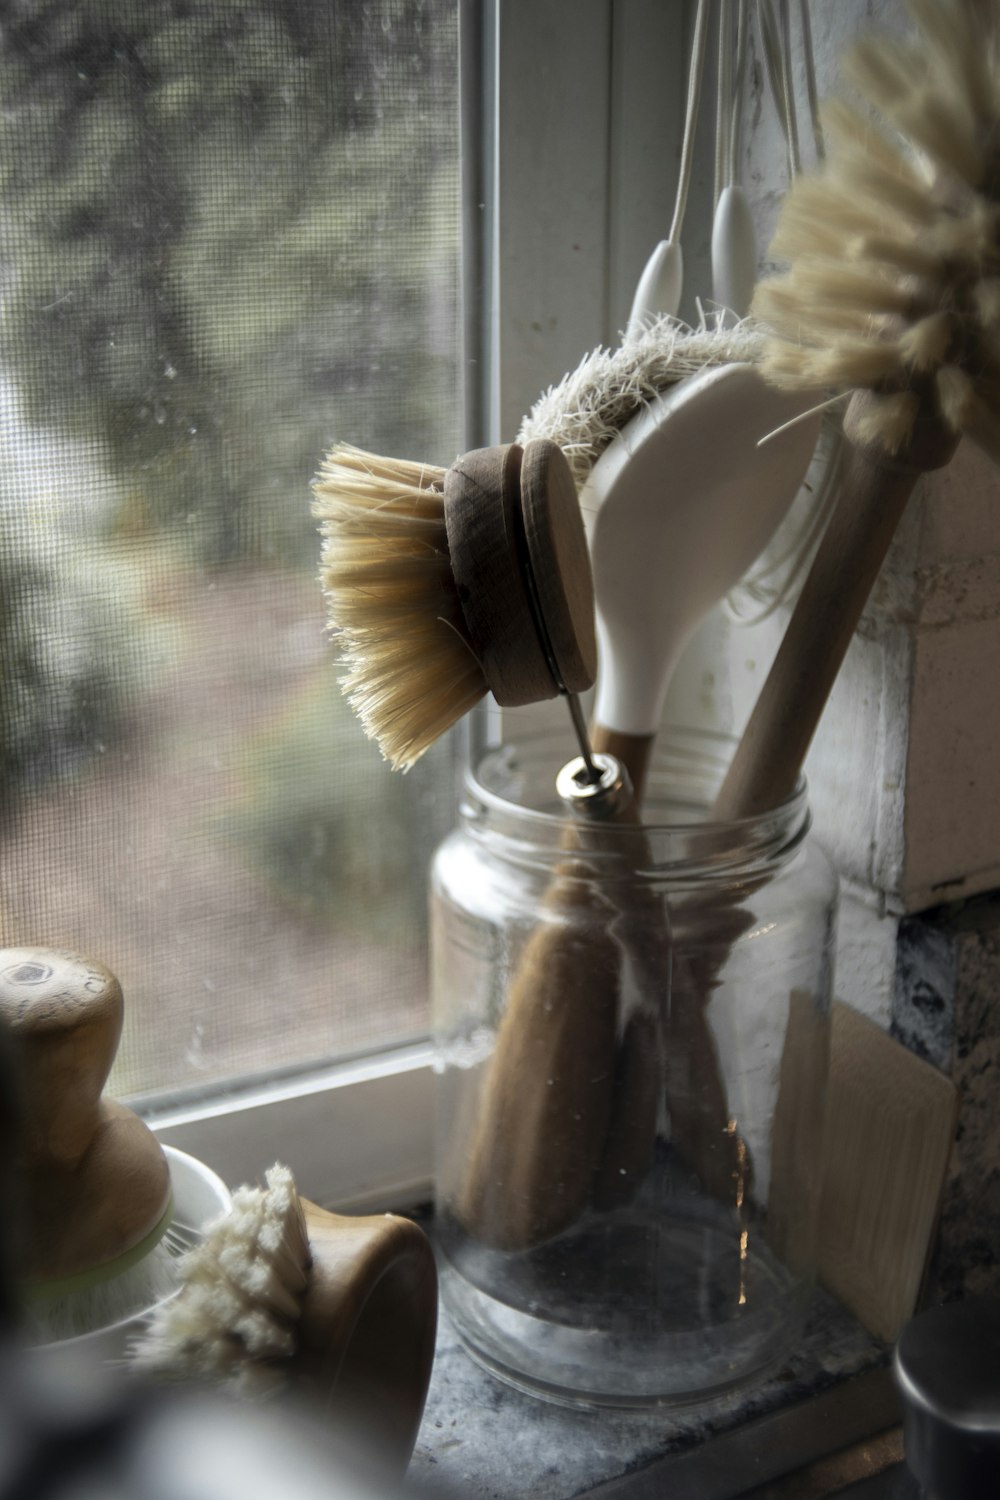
(410, 672)
(443, 585)
(587, 409)
(895, 244)
(233, 1320)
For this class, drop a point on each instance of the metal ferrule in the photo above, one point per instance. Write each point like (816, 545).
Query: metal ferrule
(590, 797)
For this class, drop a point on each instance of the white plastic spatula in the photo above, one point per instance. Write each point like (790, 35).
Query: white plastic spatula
(678, 507)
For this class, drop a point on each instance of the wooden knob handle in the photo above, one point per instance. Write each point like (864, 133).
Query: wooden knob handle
(65, 1014)
(367, 1327)
(92, 1178)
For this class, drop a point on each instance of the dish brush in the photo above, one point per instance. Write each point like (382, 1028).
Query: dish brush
(893, 295)
(443, 585)
(91, 1182)
(283, 1296)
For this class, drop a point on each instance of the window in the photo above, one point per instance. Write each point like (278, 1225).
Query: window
(232, 235)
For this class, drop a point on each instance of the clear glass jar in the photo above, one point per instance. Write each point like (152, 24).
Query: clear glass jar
(632, 1028)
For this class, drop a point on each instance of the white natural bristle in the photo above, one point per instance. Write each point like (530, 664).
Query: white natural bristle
(590, 405)
(963, 51)
(925, 344)
(956, 394)
(843, 365)
(391, 600)
(895, 243)
(846, 129)
(888, 420)
(965, 409)
(235, 1314)
(126, 1294)
(929, 107)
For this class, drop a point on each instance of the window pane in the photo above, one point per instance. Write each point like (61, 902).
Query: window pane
(229, 238)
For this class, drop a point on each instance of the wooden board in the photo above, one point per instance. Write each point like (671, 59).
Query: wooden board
(890, 1125)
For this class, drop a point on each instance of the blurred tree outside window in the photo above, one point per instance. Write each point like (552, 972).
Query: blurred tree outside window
(229, 237)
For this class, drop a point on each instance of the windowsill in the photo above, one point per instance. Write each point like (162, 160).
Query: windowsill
(356, 1134)
(487, 1441)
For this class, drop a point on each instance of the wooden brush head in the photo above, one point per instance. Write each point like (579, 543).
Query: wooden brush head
(92, 1179)
(522, 571)
(445, 585)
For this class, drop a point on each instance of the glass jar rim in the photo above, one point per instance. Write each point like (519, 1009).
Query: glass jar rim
(510, 796)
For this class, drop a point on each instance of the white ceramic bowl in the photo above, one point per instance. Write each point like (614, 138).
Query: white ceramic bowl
(200, 1196)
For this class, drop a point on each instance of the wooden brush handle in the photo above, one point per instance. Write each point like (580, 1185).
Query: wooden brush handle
(568, 1114)
(545, 1110)
(666, 1051)
(769, 757)
(766, 768)
(92, 1177)
(365, 1337)
(873, 496)
(633, 750)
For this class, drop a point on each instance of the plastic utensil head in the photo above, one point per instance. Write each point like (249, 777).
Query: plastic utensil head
(679, 505)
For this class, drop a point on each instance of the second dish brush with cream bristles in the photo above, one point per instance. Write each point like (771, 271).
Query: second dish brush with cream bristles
(893, 293)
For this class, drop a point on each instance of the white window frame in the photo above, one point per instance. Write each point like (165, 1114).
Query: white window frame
(571, 114)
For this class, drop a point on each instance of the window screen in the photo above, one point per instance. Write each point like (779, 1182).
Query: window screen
(228, 238)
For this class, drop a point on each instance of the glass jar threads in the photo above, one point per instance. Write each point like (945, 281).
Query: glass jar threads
(632, 1026)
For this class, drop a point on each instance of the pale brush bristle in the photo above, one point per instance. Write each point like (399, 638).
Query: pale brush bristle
(925, 343)
(913, 87)
(240, 1298)
(894, 245)
(391, 600)
(128, 1294)
(966, 410)
(988, 302)
(590, 405)
(888, 420)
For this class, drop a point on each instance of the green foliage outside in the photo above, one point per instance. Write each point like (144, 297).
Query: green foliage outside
(219, 218)
(331, 859)
(228, 238)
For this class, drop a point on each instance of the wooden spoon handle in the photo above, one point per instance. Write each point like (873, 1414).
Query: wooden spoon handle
(633, 750)
(769, 758)
(543, 1117)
